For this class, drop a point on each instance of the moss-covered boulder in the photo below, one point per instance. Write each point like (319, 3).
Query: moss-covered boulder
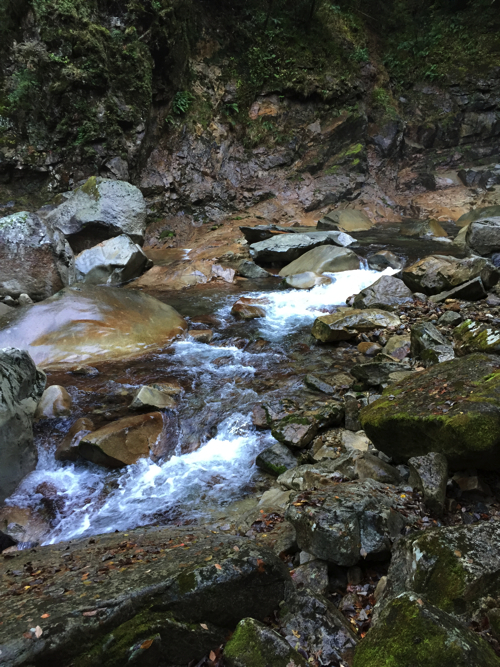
(454, 568)
(413, 632)
(276, 459)
(437, 273)
(354, 520)
(256, 645)
(110, 600)
(452, 408)
(475, 337)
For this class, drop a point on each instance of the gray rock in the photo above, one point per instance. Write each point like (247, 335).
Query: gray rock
(5, 309)
(276, 459)
(263, 232)
(410, 631)
(324, 258)
(428, 344)
(385, 259)
(312, 575)
(312, 624)
(287, 247)
(254, 643)
(98, 210)
(112, 262)
(372, 467)
(453, 567)
(21, 387)
(346, 324)
(356, 520)
(450, 319)
(321, 474)
(252, 271)
(388, 293)
(429, 474)
(312, 382)
(352, 408)
(306, 280)
(298, 429)
(473, 290)
(398, 347)
(35, 258)
(439, 273)
(377, 372)
(483, 233)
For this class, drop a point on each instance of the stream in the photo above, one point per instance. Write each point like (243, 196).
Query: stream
(213, 462)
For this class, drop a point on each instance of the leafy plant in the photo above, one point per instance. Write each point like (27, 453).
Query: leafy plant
(181, 102)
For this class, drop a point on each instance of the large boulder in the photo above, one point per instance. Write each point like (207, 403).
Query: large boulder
(111, 262)
(354, 520)
(438, 273)
(21, 387)
(412, 632)
(388, 293)
(88, 324)
(149, 597)
(306, 280)
(452, 408)
(285, 248)
(454, 568)
(347, 323)
(323, 259)
(483, 232)
(99, 210)
(127, 440)
(35, 258)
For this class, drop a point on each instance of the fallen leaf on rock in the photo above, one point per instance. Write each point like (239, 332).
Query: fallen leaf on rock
(204, 626)
(38, 632)
(260, 565)
(90, 613)
(212, 656)
(45, 616)
(458, 553)
(219, 567)
(209, 558)
(236, 548)
(147, 644)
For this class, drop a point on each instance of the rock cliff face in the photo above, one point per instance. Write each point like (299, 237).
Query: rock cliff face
(213, 107)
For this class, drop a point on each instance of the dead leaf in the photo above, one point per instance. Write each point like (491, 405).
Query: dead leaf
(90, 613)
(212, 656)
(147, 644)
(260, 565)
(458, 553)
(209, 558)
(204, 626)
(45, 616)
(236, 548)
(295, 634)
(38, 632)
(219, 567)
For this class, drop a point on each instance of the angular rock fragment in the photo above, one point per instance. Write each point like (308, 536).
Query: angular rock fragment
(388, 293)
(276, 460)
(439, 273)
(346, 324)
(429, 474)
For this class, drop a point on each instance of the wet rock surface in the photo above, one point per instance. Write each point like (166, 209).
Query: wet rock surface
(439, 273)
(386, 294)
(345, 325)
(111, 262)
(288, 247)
(323, 259)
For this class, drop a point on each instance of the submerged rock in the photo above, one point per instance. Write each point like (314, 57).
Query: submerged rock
(452, 408)
(288, 247)
(256, 645)
(356, 520)
(125, 441)
(99, 210)
(439, 273)
(21, 387)
(112, 262)
(87, 325)
(412, 632)
(347, 323)
(165, 604)
(150, 397)
(325, 258)
(35, 258)
(388, 293)
(454, 568)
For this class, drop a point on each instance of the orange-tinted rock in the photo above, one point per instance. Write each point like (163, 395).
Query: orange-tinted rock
(369, 349)
(125, 441)
(67, 450)
(201, 335)
(55, 403)
(249, 309)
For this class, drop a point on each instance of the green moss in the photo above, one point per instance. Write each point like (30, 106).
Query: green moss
(90, 188)
(254, 645)
(187, 582)
(408, 635)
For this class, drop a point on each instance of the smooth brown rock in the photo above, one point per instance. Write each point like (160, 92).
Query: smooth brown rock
(369, 349)
(55, 402)
(125, 441)
(201, 335)
(152, 398)
(249, 309)
(85, 325)
(67, 450)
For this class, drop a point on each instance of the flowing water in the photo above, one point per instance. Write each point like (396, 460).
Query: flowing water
(213, 464)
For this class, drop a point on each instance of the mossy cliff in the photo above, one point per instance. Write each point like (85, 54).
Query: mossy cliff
(92, 87)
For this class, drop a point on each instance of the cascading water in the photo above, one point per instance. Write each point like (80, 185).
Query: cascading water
(91, 500)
